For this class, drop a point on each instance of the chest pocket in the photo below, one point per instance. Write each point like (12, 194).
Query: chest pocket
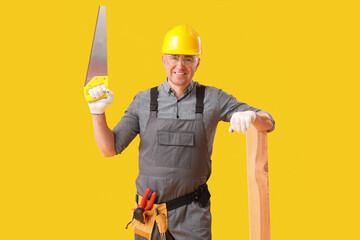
(174, 149)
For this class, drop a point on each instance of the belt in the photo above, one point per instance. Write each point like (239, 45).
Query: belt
(201, 195)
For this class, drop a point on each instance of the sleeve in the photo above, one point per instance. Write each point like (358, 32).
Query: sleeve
(229, 105)
(127, 128)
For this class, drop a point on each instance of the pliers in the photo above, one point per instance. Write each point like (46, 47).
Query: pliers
(140, 213)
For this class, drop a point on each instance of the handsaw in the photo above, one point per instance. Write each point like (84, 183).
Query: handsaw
(97, 70)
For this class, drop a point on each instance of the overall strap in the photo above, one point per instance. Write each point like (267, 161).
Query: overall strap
(153, 101)
(200, 94)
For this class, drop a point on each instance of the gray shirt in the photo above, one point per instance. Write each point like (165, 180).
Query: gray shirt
(218, 106)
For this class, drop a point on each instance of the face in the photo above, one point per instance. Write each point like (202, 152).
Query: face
(180, 69)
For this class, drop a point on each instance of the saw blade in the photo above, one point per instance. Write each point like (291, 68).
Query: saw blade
(98, 56)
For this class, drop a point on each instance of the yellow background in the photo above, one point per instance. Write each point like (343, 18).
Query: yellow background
(299, 60)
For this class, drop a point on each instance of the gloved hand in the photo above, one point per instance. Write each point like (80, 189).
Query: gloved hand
(240, 121)
(98, 107)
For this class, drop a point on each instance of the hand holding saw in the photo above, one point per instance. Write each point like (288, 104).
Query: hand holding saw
(97, 70)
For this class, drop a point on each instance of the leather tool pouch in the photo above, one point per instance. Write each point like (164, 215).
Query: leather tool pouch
(158, 212)
(145, 229)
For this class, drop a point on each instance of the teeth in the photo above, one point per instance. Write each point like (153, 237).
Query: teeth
(179, 73)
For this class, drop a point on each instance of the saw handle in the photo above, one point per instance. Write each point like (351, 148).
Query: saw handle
(95, 81)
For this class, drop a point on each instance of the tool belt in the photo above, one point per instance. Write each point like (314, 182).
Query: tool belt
(158, 212)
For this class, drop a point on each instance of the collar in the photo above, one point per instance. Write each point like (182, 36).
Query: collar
(169, 90)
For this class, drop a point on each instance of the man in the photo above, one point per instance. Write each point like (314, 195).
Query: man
(176, 122)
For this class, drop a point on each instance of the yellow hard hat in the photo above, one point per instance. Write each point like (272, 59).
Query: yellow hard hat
(182, 40)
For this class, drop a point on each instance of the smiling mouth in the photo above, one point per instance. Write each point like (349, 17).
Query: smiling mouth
(177, 73)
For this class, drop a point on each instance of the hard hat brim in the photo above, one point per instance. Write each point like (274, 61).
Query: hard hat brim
(182, 52)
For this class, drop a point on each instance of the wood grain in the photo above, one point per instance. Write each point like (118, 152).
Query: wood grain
(258, 184)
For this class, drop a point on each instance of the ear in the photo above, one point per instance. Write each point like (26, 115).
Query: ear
(197, 65)
(163, 60)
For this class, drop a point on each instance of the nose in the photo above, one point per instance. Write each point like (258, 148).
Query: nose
(180, 63)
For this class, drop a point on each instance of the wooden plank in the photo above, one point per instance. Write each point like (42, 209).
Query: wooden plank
(258, 184)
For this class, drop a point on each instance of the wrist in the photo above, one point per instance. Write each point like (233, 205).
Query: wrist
(97, 108)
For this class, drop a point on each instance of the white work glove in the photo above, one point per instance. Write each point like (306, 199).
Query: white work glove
(240, 121)
(98, 107)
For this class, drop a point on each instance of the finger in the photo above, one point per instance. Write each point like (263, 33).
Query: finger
(247, 123)
(98, 91)
(109, 92)
(238, 124)
(242, 125)
(95, 91)
(110, 97)
(231, 130)
(103, 87)
(253, 116)
(91, 93)
(232, 122)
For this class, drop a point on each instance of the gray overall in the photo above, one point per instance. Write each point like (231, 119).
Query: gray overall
(173, 161)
